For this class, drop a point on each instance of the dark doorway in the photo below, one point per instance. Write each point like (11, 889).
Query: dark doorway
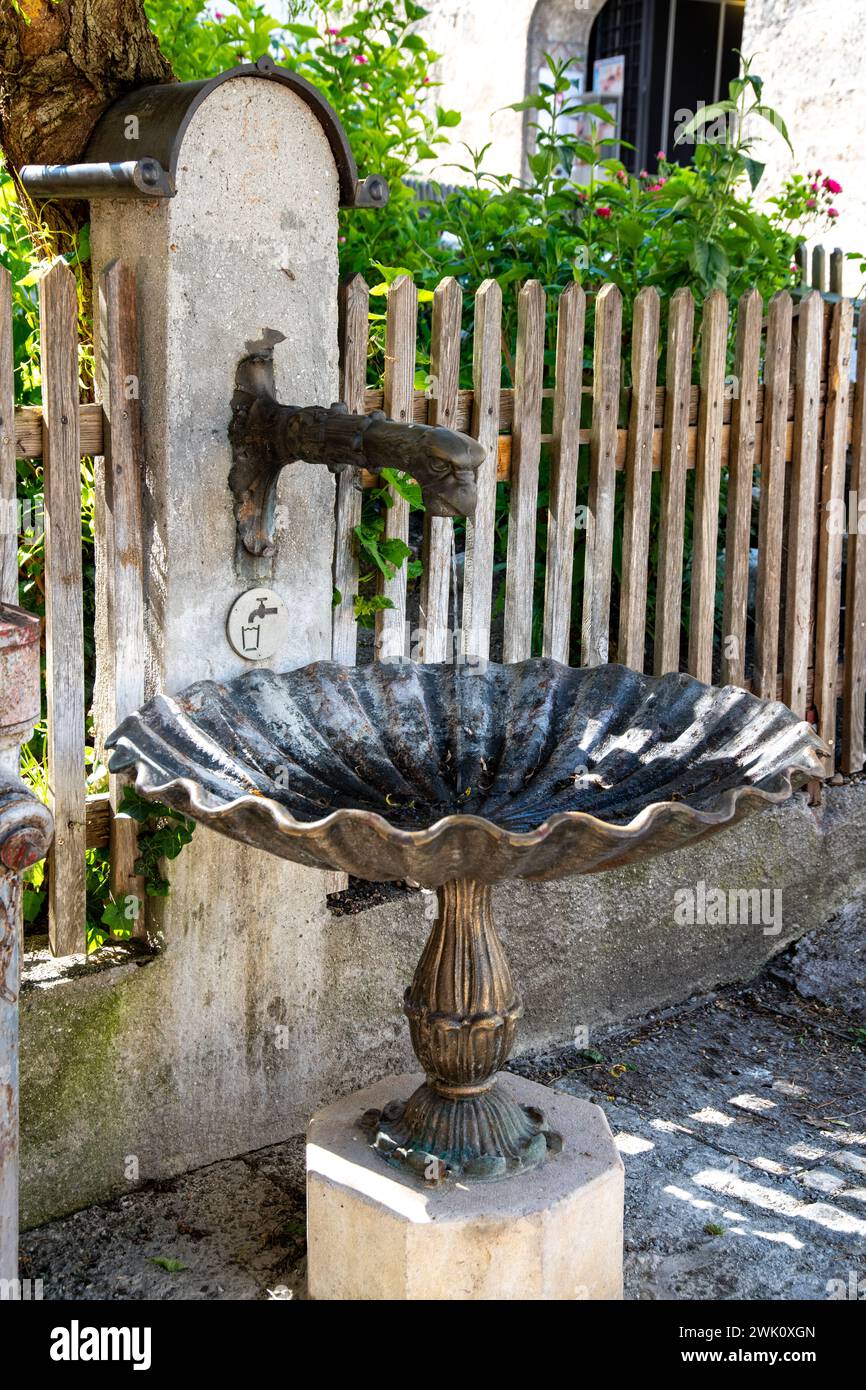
(677, 53)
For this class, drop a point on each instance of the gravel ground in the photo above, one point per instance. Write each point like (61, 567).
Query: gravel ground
(741, 1118)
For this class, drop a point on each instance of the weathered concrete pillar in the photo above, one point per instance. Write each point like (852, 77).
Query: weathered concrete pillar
(25, 834)
(247, 243)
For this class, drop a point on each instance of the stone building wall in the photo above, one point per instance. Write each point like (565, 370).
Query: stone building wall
(491, 53)
(812, 57)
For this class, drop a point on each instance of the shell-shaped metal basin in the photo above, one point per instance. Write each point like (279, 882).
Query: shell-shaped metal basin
(405, 771)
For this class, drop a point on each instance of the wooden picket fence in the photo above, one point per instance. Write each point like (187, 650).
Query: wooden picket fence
(791, 425)
(794, 429)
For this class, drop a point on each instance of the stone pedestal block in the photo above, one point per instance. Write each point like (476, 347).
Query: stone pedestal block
(377, 1232)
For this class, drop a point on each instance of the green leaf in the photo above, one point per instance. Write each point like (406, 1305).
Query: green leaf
(538, 102)
(703, 117)
(367, 606)
(173, 1266)
(394, 551)
(405, 486)
(592, 108)
(31, 903)
(775, 120)
(630, 232)
(447, 118)
(754, 168)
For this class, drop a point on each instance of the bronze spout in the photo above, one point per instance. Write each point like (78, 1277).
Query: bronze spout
(266, 436)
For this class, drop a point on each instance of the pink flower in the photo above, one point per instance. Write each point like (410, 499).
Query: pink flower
(814, 187)
(832, 212)
(832, 186)
(811, 203)
(218, 16)
(335, 32)
(661, 155)
(817, 173)
(425, 81)
(603, 212)
(643, 174)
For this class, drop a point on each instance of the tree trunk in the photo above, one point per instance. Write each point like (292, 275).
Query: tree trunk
(61, 65)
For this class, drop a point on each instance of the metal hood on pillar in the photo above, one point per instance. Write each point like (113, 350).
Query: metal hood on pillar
(154, 119)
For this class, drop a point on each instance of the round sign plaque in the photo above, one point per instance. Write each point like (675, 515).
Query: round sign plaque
(258, 624)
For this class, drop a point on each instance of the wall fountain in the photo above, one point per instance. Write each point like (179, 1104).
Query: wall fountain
(454, 777)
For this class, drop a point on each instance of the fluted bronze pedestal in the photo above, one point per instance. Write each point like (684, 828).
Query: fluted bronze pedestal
(463, 1009)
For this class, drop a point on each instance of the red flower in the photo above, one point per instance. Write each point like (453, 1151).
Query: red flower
(603, 212)
(832, 212)
(832, 186)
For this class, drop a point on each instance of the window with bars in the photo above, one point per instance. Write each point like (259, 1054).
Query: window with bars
(677, 53)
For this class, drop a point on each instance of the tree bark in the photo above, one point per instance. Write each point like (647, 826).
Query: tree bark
(61, 65)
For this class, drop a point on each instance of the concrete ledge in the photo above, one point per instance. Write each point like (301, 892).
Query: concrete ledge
(247, 1023)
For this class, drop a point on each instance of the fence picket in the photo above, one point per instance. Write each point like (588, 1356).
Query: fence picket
(854, 683)
(354, 301)
(837, 270)
(564, 458)
(525, 455)
(819, 268)
(803, 499)
(774, 433)
(481, 531)
(741, 473)
(598, 554)
(638, 479)
(8, 477)
(708, 475)
(122, 529)
(675, 451)
(830, 530)
(439, 530)
(64, 610)
(400, 331)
